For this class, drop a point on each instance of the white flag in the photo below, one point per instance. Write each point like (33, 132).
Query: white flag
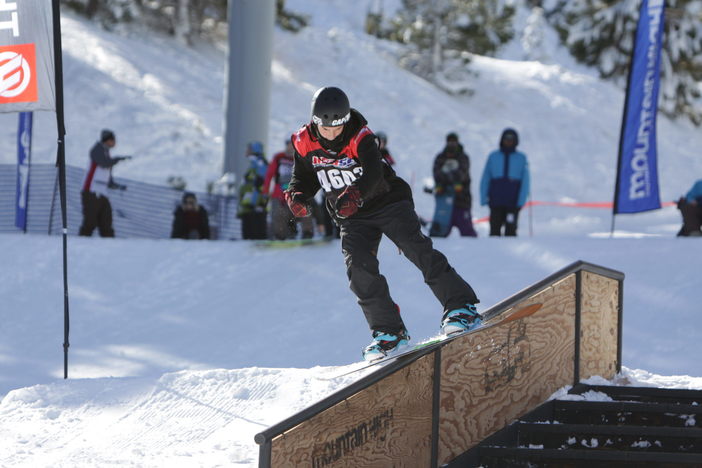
(26, 56)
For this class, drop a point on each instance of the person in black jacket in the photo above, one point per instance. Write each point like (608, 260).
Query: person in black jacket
(190, 219)
(452, 177)
(338, 153)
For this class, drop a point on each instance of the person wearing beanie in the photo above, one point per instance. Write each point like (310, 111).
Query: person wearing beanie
(504, 186)
(452, 190)
(190, 219)
(97, 211)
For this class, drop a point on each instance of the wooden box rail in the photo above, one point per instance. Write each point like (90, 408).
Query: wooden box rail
(430, 407)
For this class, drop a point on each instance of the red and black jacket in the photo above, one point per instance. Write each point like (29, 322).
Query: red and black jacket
(352, 158)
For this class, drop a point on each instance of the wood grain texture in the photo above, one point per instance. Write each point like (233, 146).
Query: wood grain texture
(492, 377)
(489, 378)
(599, 320)
(385, 425)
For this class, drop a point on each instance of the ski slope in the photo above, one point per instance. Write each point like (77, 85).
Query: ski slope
(181, 351)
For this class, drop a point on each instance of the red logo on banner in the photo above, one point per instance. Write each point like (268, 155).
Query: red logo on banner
(18, 78)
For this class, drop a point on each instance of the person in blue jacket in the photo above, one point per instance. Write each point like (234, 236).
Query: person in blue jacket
(690, 207)
(505, 184)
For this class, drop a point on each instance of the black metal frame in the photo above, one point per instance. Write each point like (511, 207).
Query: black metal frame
(265, 437)
(669, 402)
(577, 326)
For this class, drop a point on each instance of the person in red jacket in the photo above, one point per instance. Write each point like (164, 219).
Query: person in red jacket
(338, 153)
(283, 223)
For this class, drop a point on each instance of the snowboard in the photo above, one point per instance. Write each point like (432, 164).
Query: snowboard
(516, 315)
(443, 212)
(404, 352)
(291, 243)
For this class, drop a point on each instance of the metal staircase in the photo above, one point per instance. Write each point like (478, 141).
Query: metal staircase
(624, 427)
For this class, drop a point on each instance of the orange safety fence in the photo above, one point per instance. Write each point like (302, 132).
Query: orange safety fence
(608, 205)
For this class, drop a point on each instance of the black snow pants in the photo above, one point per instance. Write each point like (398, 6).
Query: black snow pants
(97, 213)
(507, 217)
(360, 238)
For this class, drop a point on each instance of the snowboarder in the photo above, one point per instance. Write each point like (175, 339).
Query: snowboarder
(452, 190)
(505, 184)
(339, 153)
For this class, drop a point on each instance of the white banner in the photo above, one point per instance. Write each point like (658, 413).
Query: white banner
(26, 56)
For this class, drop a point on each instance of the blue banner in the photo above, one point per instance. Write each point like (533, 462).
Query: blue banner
(637, 169)
(24, 152)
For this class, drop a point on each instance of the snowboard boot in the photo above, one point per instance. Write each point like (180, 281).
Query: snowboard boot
(384, 344)
(460, 320)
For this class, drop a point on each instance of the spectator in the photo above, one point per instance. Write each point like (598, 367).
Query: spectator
(252, 202)
(452, 180)
(337, 152)
(97, 211)
(383, 147)
(690, 207)
(283, 223)
(505, 184)
(190, 220)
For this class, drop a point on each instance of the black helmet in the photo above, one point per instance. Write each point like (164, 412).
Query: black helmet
(330, 107)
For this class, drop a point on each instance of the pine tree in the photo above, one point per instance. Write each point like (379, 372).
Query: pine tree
(187, 20)
(287, 19)
(600, 33)
(443, 33)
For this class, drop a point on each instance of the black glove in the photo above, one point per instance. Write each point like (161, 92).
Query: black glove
(115, 186)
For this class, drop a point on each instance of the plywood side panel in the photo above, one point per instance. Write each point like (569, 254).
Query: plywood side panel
(491, 377)
(599, 320)
(385, 425)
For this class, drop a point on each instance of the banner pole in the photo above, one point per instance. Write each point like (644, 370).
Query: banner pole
(30, 118)
(24, 164)
(61, 164)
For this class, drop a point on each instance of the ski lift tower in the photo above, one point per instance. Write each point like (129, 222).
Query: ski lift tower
(248, 79)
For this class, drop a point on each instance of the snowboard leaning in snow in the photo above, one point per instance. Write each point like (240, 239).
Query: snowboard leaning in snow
(521, 313)
(443, 212)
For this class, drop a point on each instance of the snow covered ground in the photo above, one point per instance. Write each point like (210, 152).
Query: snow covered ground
(181, 351)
